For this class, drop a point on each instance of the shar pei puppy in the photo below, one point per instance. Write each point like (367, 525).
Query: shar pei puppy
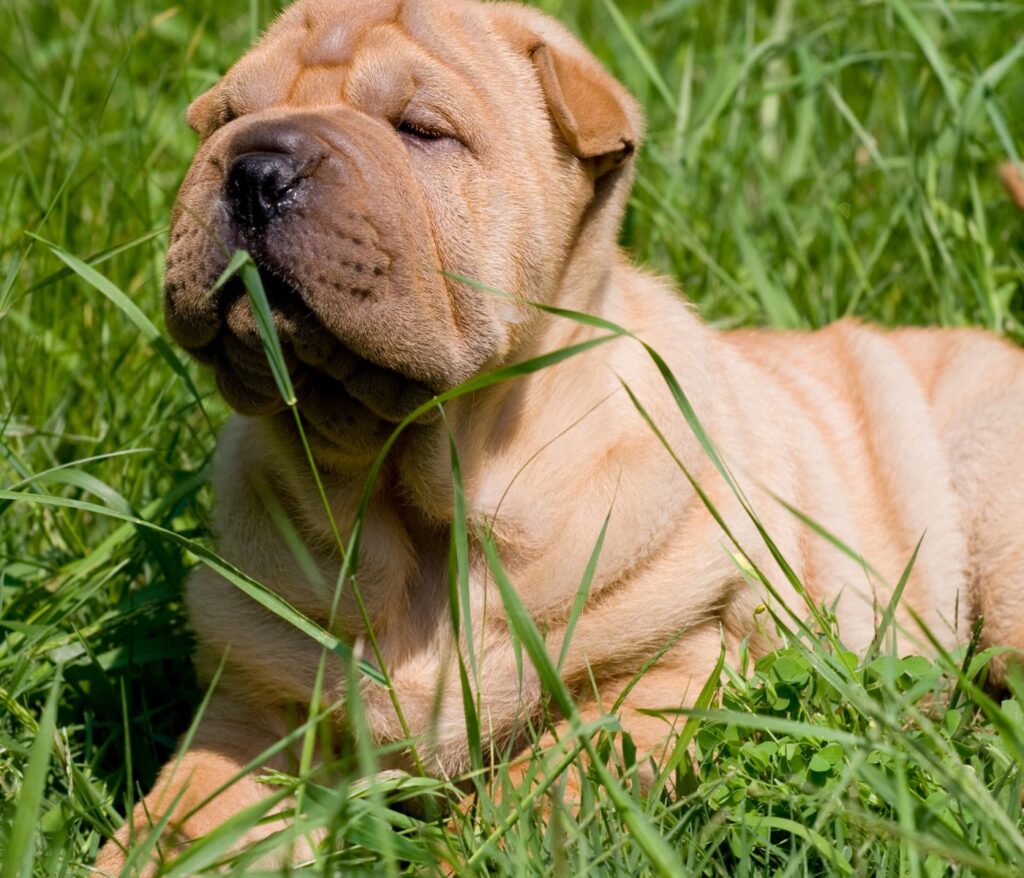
(428, 187)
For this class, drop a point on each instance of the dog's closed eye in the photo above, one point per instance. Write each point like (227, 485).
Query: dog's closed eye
(420, 132)
(426, 132)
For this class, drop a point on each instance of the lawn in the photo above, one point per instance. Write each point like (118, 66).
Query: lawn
(805, 161)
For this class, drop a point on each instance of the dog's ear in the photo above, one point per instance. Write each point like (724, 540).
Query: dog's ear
(203, 112)
(599, 120)
(589, 113)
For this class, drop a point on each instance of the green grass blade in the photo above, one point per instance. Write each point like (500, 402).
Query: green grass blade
(265, 323)
(894, 600)
(638, 49)
(927, 45)
(133, 313)
(255, 590)
(18, 855)
(583, 591)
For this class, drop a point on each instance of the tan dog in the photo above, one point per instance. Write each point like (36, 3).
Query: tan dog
(371, 153)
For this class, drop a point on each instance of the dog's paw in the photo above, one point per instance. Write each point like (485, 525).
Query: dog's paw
(113, 858)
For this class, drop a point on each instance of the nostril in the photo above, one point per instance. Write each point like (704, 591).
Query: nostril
(260, 186)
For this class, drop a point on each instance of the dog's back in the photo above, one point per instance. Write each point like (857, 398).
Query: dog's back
(925, 427)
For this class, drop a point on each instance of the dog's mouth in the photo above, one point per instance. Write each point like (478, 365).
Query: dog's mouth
(340, 394)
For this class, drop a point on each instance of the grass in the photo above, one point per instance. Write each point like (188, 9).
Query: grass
(806, 161)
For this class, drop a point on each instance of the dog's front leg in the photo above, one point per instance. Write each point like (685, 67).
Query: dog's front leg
(204, 786)
(648, 707)
(507, 695)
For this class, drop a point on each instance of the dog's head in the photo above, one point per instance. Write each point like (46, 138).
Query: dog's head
(373, 155)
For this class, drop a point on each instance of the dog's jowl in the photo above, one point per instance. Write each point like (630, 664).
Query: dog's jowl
(414, 178)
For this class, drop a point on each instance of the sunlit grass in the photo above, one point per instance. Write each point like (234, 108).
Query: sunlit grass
(805, 161)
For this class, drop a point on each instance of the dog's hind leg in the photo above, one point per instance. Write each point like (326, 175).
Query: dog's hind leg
(978, 400)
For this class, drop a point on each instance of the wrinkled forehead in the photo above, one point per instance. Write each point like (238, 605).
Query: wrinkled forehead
(370, 54)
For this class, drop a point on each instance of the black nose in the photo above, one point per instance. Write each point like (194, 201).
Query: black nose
(261, 186)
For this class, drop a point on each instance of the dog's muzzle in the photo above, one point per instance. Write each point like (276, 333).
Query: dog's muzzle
(271, 204)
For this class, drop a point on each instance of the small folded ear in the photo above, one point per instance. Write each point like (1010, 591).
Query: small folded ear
(589, 114)
(202, 112)
(599, 120)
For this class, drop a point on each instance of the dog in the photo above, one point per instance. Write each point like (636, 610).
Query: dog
(433, 190)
